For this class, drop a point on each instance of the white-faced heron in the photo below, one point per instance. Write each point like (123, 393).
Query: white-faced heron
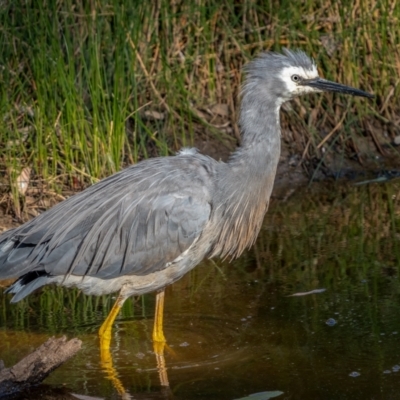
(146, 226)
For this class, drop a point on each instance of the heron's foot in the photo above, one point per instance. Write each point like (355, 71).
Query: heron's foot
(105, 330)
(105, 333)
(158, 334)
(159, 347)
(105, 340)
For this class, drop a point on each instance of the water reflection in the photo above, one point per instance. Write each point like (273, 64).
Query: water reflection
(235, 329)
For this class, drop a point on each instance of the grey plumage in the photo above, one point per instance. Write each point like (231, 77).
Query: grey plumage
(146, 226)
(152, 213)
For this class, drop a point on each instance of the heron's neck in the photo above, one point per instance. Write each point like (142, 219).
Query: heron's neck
(245, 183)
(260, 133)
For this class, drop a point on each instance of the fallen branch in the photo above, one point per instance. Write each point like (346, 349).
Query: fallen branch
(35, 367)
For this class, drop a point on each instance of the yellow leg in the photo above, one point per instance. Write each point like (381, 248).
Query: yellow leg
(158, 334)
(106, 328)
(105, 340)
(111, 373)
(161, 366)
(159, 341)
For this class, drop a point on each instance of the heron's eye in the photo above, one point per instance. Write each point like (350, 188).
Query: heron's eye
(296, 78)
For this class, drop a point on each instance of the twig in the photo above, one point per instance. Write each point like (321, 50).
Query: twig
(330, 134)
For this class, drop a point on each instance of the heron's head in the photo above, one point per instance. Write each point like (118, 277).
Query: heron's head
(285, 76)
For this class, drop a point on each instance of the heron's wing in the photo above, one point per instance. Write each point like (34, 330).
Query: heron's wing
(134, 222)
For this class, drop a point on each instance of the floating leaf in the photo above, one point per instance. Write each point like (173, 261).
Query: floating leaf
(84, 397)
(262, 395)
(315, 291)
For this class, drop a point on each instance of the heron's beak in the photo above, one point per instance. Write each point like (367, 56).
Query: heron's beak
(328, 86)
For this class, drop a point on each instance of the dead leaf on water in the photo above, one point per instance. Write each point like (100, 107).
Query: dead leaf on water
(262, 395)
(85, 397)
(315, 291)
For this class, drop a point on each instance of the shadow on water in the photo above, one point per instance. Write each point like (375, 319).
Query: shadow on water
(234, 328)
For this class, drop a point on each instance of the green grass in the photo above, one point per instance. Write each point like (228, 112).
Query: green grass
(87, 89)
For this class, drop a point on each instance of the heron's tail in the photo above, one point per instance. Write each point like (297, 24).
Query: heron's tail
(16, 256)
(27, 283)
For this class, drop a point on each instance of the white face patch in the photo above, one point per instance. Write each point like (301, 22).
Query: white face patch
(294, 88)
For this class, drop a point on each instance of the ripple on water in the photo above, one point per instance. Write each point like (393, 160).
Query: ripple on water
(200, 340)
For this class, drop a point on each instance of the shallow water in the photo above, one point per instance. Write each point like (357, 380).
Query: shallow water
(234, 329)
